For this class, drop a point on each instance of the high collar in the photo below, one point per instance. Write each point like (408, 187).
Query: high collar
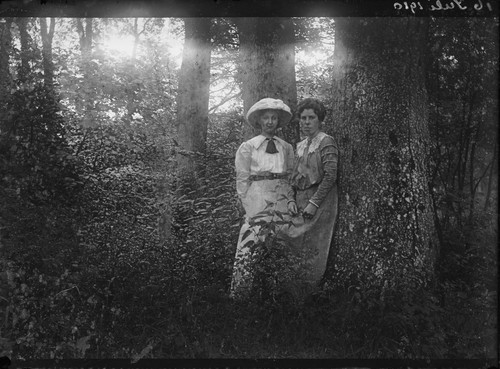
(313, 137)
(257, 141)
(313, 144)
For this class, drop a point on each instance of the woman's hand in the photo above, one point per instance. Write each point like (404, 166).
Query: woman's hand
(292, 208)
(241, 208)
(309, 211)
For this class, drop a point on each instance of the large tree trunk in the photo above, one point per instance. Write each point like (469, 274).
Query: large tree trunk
(385, 231)
(47, 36)
(192, 98)
(267, 62)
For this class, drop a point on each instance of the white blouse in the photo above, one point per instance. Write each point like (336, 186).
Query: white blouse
(252, 159)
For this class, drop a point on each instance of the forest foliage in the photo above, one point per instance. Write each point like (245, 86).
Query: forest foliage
(103, 256)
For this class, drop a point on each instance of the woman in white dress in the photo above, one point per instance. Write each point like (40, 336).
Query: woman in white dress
(263, 166)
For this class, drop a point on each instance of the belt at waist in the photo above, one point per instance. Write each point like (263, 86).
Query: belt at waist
(257, 177)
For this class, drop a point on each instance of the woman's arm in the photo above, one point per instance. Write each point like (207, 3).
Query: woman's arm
(242, 162)
(329, 159)
(289, 159)
(289, 163)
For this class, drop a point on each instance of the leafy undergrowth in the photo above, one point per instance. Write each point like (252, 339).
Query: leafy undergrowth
(170, 300)
(98, 282)
(159, 322)
(113, 289)
(85, 272)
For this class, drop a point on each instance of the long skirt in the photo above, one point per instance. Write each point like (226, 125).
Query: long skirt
(312, 237)
(258, 199)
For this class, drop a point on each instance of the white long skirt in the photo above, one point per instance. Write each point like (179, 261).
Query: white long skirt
(266, 195)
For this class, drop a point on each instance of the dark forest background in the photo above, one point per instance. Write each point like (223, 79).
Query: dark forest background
(119, 217)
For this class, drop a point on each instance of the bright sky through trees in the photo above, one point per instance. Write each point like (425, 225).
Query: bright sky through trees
(118, 43)
(311, 59)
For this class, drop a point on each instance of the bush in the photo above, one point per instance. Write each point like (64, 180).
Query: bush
(93, 277)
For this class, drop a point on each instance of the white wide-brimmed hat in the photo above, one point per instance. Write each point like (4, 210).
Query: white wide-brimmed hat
(267, 103)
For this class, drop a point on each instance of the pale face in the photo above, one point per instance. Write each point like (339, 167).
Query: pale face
(268, 121)
(309, 123)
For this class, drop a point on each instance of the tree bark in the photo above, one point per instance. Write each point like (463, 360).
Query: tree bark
(267, 66)
(47, 36)
(24, 69)
(5, 76)
(487, 202)
(5, 92)
(386, 233)
(86, 35)
(192, 98)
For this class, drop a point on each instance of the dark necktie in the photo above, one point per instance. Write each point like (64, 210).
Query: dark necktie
(271, 146)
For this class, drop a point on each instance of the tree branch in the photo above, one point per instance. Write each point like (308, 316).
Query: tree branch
(225, 100)
(144, 27)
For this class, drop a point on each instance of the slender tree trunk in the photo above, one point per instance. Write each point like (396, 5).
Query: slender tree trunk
(192, 98)
(47, 36)
(386, 232)
(86, 35)
(136, 38)
(475, 136)
(5, 76)
(491, 175)
(436, 185)
(267, 65)
(132, 86)
(5, 91)
(24, 70)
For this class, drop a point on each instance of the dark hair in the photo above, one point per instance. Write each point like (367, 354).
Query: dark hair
(314, 104)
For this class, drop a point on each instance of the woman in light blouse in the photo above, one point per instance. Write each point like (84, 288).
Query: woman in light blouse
(314, 187)
(263, 166)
